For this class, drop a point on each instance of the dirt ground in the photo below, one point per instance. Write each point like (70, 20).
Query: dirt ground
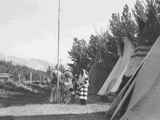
(92, 116)
(94, 110)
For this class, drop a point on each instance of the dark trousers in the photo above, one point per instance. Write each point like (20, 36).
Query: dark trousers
(83, 102)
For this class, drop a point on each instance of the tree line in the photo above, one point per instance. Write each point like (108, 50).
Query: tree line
(140, 24)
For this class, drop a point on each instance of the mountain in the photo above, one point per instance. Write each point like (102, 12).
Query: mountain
(36, 64)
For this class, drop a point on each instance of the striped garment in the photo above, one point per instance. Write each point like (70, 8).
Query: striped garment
(83, 89)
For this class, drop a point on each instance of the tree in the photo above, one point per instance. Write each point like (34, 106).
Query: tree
(123, 25)
(147, 17)
(79, 55)
(128, 24)
(141, 26)
(97, 47)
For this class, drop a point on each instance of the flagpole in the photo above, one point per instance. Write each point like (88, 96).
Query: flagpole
(58, 53)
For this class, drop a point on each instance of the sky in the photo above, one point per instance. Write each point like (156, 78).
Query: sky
(28, 28)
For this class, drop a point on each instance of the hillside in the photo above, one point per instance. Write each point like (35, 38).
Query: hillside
(32, 63)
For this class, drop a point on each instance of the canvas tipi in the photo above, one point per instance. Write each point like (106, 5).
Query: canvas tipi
(139, 98)
(118, 70)
(135, 60)
(124, 69)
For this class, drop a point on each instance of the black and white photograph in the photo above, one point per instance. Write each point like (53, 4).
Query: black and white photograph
(79, 59)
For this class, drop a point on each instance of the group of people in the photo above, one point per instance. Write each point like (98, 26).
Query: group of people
(75, 87)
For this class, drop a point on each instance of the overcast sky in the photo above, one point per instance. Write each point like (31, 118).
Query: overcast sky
(28, 28)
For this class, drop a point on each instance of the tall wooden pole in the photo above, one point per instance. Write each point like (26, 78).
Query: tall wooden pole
(58, 53)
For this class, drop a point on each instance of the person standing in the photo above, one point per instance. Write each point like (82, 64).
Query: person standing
(83, 87)
(68, 85)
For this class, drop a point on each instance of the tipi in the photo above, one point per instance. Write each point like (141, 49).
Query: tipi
(139, 98)
(135, 60)
(125, 67)
(117, 73)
